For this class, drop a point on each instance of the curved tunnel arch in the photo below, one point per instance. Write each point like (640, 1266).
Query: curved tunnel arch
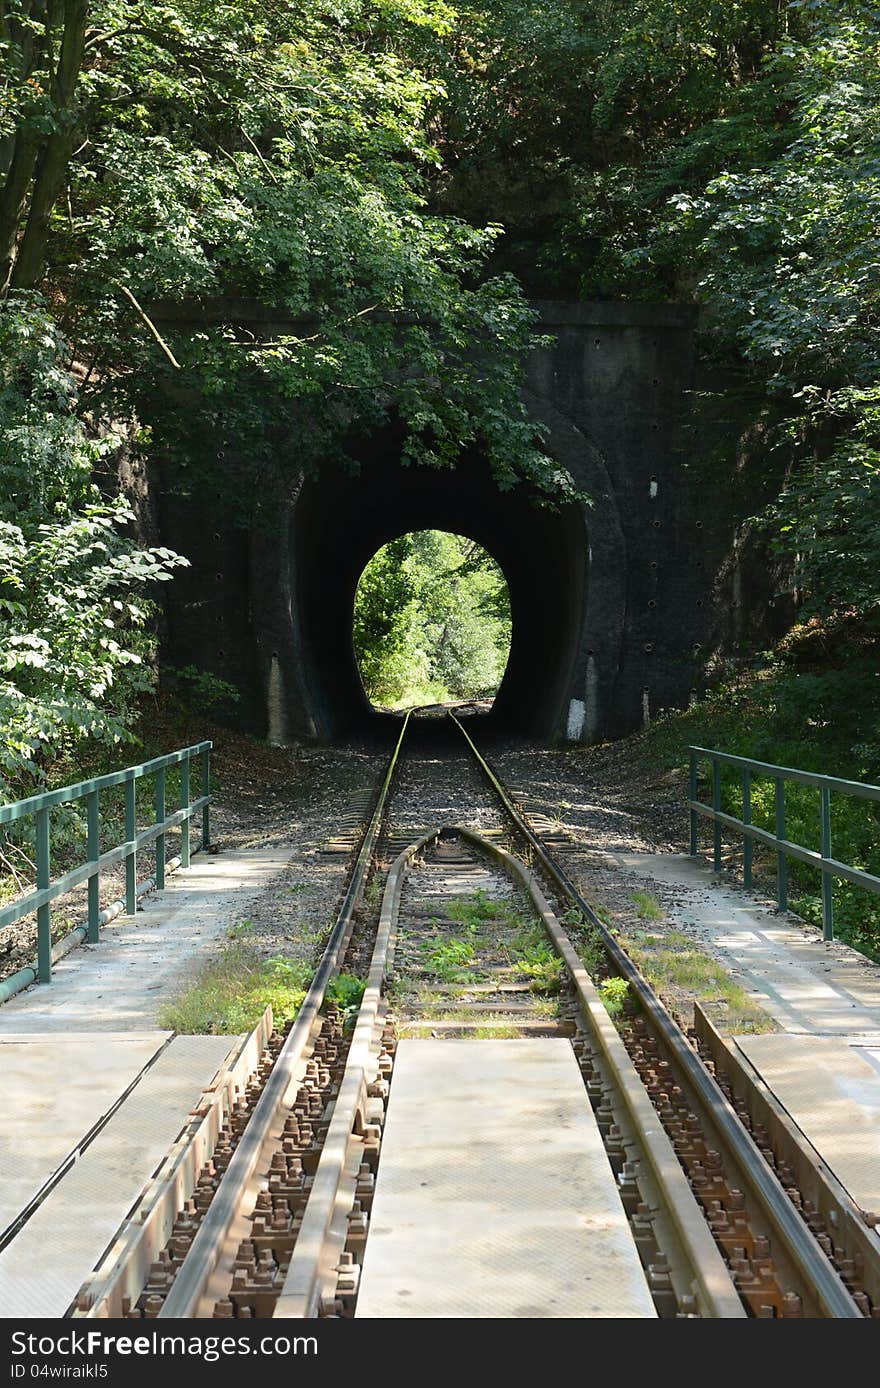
(339, 522)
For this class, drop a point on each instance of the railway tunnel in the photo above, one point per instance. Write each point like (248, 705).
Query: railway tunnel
(543, 555)
(616, 603)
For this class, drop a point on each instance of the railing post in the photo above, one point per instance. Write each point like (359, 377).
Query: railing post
(206, 790)
(131, 855)
(781, 860)
(693, 796)
(44, 913)
(827, 880)
(184, 805)
(716, 806)
(160, 819)
(747, 819)
(93, 848)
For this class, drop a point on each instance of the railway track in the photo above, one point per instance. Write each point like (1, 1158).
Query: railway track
(459, 923)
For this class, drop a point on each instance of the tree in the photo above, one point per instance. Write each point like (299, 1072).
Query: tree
(42, 44)
(725, 154)
(431, 620)
(233, 150)
(75, 619)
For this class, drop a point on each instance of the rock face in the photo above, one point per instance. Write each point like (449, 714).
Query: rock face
(616, 605)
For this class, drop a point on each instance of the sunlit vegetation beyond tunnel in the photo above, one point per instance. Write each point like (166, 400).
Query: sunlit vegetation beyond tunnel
(431, 621)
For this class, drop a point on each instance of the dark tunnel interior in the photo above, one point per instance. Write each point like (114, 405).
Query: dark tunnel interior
(339, 522)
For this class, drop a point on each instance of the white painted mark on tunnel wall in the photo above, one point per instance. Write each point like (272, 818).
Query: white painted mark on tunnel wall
(576, 712)
(654, 487)
(646, 707)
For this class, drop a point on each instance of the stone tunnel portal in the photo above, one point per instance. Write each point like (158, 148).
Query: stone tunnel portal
(615, 605)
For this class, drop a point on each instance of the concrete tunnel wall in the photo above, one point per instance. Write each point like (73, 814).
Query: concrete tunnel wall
(612, 603)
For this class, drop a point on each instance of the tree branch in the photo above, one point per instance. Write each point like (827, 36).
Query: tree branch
(151, 325)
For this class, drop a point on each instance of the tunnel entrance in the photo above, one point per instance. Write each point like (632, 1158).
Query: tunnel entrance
(612, 615)
(431, 622)
(341, 520)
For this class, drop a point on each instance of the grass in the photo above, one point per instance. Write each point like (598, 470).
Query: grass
(449, 960)
(423, 1031)
(673, 964)
(614, 993)
(587, 941)
(474, 910)
(648, 906)
(231, 992)
(373, 892)
(498, 942)
(346, 991)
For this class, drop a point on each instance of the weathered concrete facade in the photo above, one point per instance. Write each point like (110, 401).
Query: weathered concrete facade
(612, 604)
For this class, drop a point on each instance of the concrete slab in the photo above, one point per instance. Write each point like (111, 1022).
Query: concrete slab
(494, 1197)
(53, 1090)
(831, 1088)
(120, 983)
(43, 1267)
(808, 986)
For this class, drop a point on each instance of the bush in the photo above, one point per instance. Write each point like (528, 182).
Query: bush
(75, 623)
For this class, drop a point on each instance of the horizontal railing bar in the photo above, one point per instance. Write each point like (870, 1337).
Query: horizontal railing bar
(16, 910)
(24, 977)
(863, 789)
(19, 809)
(856, 876)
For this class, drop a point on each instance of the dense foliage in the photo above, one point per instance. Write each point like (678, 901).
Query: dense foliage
(154, 157)
(431, 621)
(817, 711)
(727, 153)
(351, 163)
(74, 638)
(274, 154)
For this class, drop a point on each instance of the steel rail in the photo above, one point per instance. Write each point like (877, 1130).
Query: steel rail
(685, 1238)
(192, 1279)
(310, 1268)
(812, 1265)
(700, 1271)
(854, 1231)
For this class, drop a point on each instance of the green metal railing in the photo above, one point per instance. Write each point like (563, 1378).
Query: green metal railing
(822, 861)
(39, 808)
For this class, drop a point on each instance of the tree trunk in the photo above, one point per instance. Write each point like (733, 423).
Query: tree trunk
(19, 150)
(49, 164)
(13, 198)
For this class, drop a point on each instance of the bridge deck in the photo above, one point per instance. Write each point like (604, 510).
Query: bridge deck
(44, 1265)
(494, 1196)
(53, 1091)
(830, 1086)
(141, 961)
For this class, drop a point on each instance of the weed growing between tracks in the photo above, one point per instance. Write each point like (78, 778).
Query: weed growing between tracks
(346, 993)
(483, 951)
(614, 992)
(543, 966)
